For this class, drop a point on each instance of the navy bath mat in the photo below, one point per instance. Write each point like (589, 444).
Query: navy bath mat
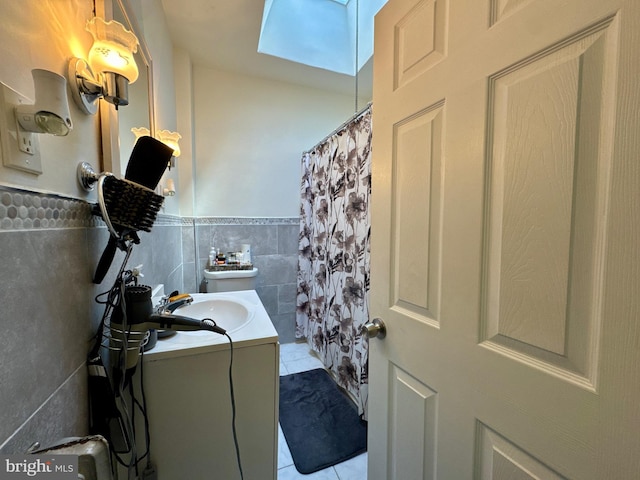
(320, 423)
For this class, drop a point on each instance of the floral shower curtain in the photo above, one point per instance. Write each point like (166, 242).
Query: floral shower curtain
(333, 266)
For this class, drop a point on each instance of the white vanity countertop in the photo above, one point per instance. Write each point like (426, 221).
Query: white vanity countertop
(259, 330)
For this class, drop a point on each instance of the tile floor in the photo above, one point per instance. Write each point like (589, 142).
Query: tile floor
(294, 358)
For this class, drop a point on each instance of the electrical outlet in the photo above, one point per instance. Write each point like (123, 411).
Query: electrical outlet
(20, 149)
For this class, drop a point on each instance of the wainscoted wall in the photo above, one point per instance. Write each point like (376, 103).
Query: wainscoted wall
(50, 248)
(46, 317)
(274, 245)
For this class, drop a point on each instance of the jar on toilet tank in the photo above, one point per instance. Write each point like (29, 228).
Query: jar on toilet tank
(245, 250)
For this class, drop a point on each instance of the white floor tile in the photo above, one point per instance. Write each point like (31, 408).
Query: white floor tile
(290, 473)
(293, 351)
(284, 454)
(304, 364)
(353, 469)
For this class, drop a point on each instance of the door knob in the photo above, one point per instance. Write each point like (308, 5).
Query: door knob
(374, 328)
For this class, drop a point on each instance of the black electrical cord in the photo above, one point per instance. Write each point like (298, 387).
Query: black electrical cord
(135, 460)
(115, 298)
(112, 299)
(122, 360)
(143, 410)
(233, 406)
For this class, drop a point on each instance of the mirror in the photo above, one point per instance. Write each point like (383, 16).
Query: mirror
(117, 138)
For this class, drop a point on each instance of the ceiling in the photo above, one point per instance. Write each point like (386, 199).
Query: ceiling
(224, 34)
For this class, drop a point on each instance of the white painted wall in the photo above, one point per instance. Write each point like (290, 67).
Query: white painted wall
(184, 111)
(156, 33)
(249, 137)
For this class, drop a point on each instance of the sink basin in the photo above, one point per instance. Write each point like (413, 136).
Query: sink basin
(228, 313)
(241, 313)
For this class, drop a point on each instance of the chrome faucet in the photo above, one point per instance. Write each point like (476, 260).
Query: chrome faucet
(169, 304)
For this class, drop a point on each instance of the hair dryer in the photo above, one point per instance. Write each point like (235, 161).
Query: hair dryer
(127, 333)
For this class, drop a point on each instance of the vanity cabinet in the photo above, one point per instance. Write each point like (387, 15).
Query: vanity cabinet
(189, 404)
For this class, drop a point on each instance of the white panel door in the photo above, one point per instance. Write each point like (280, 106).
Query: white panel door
(505, 238)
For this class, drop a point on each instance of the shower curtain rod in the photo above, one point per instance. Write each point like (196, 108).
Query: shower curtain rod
(341, 127)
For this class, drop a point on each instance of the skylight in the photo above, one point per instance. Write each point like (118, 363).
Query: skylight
(320, 33)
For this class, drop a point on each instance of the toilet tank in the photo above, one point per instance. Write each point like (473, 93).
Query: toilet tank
(230, 280)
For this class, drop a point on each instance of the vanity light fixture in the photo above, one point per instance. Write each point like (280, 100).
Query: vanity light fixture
(140, 132)
(50, 112)
(109, 69)
(170, 139)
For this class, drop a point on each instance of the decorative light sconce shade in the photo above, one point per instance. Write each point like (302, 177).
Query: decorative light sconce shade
(110, 67)
(50, 112)
(140, 132)
(170, 139)
(113, 49)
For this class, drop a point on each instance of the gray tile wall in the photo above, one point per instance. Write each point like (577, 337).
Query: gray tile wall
(274, 245)
(50, 246)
